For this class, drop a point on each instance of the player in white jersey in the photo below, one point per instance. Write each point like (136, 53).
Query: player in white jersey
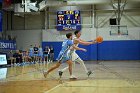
(74, 56)
(64, 55)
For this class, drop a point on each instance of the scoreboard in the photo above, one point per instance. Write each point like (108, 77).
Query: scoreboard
(68, 20)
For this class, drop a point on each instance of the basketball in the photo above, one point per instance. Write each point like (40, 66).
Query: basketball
(99, 39)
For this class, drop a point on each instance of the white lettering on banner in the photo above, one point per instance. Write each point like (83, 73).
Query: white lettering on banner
(7, 45)
(69, 27)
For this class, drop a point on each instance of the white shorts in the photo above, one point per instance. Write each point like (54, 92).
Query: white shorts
(74, 56)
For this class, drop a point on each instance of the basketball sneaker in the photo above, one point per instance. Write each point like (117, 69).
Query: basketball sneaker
(73, 77)
(60, 73)
(89, 73)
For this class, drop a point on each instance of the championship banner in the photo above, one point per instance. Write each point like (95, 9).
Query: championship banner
(7, 44)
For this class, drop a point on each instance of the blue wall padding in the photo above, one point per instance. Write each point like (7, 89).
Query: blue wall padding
(108, 50)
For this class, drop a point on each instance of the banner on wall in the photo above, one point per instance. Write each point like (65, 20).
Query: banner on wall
(7, 44)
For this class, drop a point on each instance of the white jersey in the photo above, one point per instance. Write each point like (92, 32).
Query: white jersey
(72, 51)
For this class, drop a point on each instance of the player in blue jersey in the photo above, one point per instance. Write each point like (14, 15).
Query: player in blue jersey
(46, 52)
(64, 56)
(35, 53)
(74, 55)
(40, 54)
(31, 53)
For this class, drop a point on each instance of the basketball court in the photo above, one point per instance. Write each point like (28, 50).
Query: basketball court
(113, 57)
(108, 77)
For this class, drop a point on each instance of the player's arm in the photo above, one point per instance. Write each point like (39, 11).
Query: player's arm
(77, 48)
(84, 42)
(72, 44)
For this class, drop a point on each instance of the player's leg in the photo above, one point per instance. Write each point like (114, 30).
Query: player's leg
(80, 61)
(52, 68)
(45, 58)
(69, 54)
(51, 57)
(11, 60)
(69, 66)
(70, 69)
(59, 59)
(72, 57)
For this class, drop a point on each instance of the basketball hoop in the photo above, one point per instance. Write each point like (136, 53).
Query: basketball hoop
(118, 30)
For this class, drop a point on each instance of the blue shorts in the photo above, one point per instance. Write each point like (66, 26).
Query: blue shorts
(35, 54)
(40, 55)
(45, 55)
(30, 54)
(63, 57)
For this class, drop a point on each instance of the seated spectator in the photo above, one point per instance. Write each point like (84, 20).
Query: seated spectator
(11, 58)
(18, 56)
(25, 56)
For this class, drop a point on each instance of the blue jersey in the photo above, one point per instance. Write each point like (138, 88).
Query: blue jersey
(66, 45)
(40, 52)
(63, 55)
(31, 51)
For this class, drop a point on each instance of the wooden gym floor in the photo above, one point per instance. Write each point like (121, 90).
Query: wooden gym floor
(108, 77)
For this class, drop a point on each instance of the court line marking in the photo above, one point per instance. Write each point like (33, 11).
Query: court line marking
(53, 88)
